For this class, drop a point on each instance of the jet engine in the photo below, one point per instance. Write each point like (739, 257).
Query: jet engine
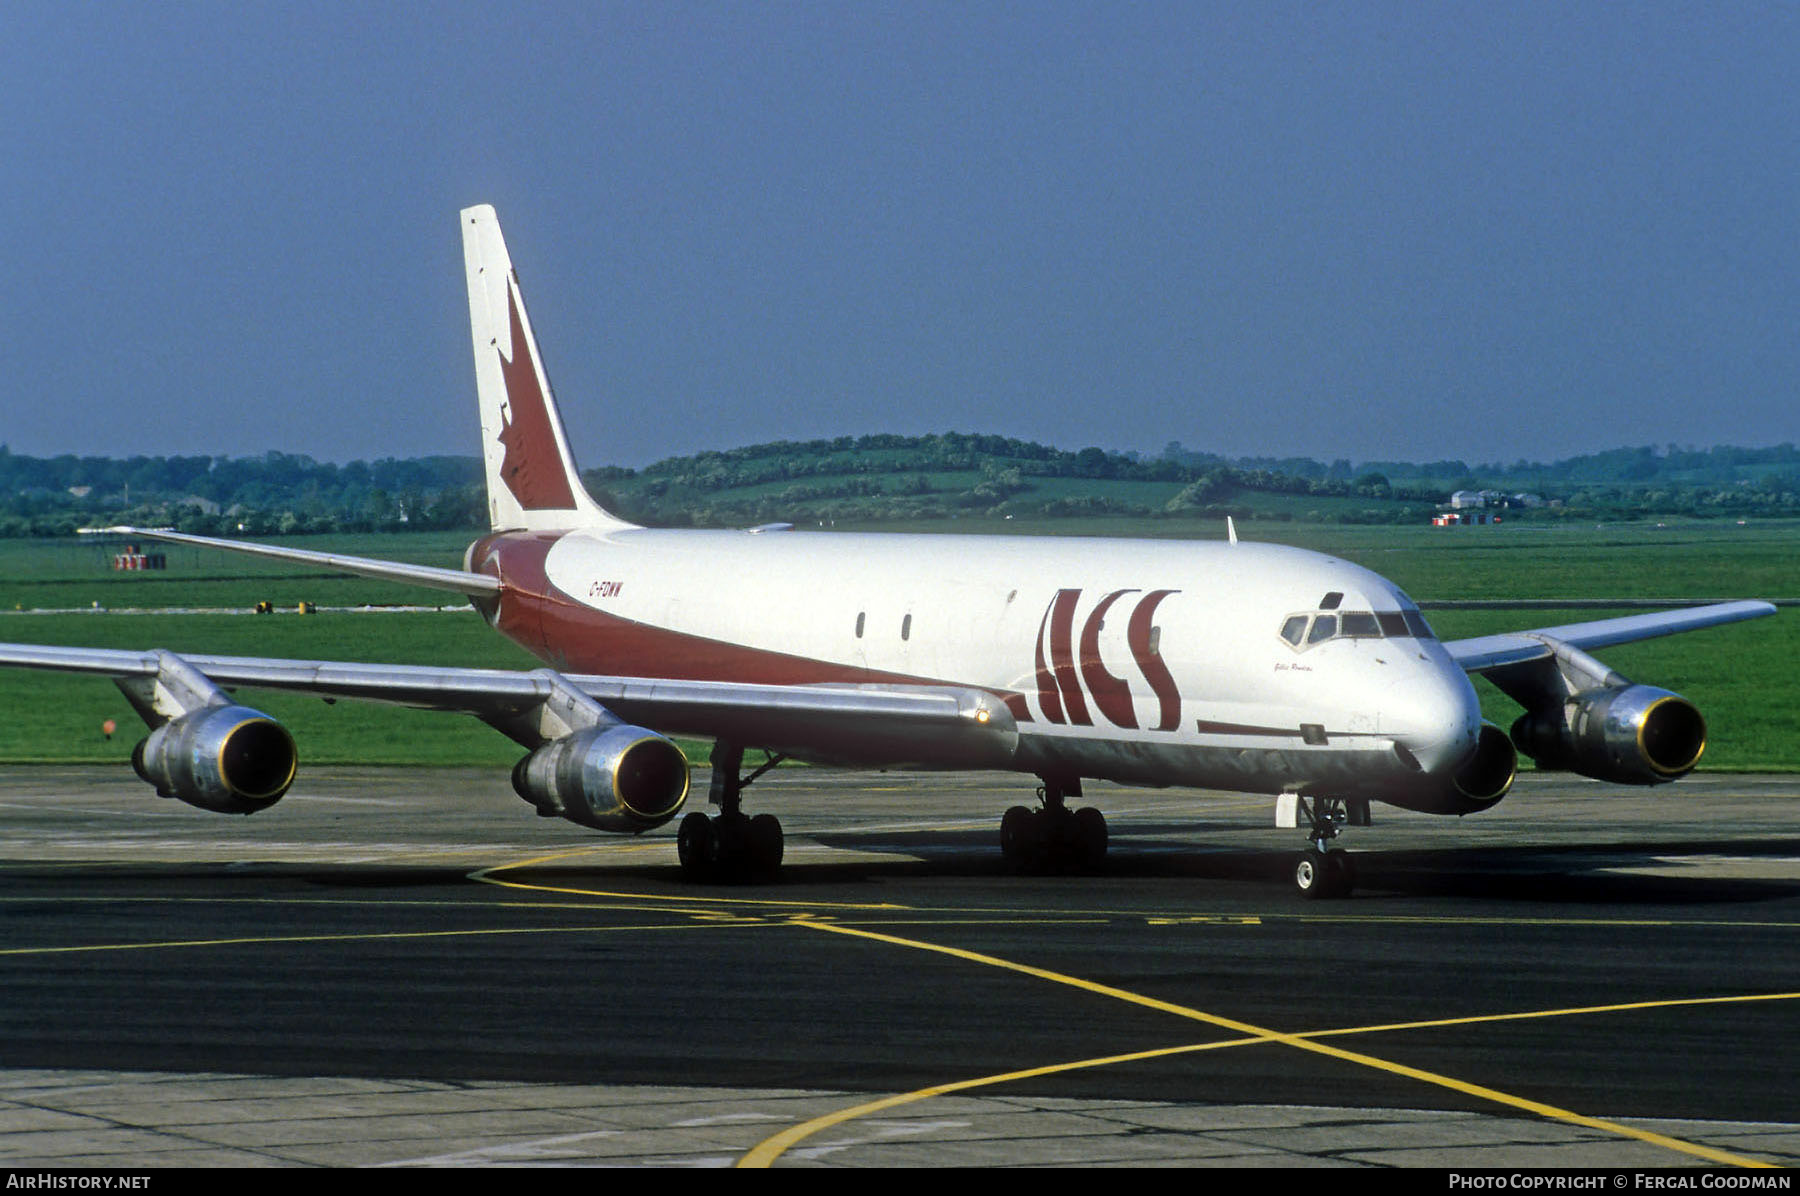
(1630, 735)
(1478, 783)
(227, 759)
(611, 778)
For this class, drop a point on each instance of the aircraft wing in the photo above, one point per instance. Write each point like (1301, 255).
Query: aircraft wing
(820, 722)
(1482, 653)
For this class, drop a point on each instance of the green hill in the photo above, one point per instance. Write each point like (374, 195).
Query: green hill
(888, 479)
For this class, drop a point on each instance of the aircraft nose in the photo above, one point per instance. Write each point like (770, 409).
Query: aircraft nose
(1437, 720)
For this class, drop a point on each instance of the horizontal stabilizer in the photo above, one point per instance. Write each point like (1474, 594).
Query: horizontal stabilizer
(475, 585)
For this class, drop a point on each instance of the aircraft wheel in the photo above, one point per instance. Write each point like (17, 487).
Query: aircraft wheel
(764, 842)
(730, 847)
(1017, 833)
(694, 844)
(1346, 872)
(1088, 832)
(1316, 875)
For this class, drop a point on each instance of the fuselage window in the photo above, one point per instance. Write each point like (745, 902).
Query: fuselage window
(1393, 624)
(1361, 625)
(860, 616)
(1415, 622)
(906, 628)
(1156, 641)
(1294, 630)
(1323, 628)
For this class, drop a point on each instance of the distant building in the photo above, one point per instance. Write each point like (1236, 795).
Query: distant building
(1475, 500)
(134, 560)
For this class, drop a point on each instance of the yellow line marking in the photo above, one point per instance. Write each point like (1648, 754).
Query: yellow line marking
(766, 1152)
(1573, 1011)
(1432, 920)
(486, 876)
(269, 940)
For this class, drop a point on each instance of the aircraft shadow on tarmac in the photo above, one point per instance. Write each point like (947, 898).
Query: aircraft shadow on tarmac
(1598, 872)
(1635, 873)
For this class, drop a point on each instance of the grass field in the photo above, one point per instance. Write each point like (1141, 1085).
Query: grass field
(37, 575)
(1741, 677)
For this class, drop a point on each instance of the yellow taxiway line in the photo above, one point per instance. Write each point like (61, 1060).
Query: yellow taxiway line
(766, 1152)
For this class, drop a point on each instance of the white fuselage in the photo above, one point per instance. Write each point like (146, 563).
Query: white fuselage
(1158, 662)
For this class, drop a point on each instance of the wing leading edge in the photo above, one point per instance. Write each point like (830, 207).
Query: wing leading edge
(1584, 716)
(852, 724)
(1482, 653)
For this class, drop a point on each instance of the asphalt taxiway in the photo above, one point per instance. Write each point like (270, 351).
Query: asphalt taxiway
(406, 967)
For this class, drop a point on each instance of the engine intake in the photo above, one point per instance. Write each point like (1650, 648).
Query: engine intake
(1630, 735)
(227, 759)
(612, 778)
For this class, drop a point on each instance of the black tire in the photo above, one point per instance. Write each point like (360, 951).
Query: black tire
(694, 844)
(730, 848)
(1316, 875)
(765, 844)
(1088, 832)
(1017, 833)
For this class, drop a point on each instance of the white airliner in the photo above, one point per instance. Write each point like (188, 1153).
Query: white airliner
(1213, 664)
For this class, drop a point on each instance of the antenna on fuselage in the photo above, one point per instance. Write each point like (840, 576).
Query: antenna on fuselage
(1230, 530)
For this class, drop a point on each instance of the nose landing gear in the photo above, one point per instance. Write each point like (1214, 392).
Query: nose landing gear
(1322, 872)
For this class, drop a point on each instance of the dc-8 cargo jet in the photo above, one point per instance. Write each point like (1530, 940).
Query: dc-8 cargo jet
(1213, 664)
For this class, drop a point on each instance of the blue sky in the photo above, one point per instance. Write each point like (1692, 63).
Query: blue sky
(1362, 230)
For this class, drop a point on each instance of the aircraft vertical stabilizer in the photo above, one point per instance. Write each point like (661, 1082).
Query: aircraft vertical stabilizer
(532, 482)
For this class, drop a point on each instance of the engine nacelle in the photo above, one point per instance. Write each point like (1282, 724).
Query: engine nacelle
(227, 759)
(613, 778)
(1630, 735)
(1477, 784)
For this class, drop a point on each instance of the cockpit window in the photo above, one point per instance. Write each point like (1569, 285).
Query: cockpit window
(1304, 630)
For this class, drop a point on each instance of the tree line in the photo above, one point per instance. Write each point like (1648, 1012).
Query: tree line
(877, 477)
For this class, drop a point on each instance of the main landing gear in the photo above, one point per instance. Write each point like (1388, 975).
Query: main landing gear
(1054, 839)
(730, 846)
(1322, 872)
